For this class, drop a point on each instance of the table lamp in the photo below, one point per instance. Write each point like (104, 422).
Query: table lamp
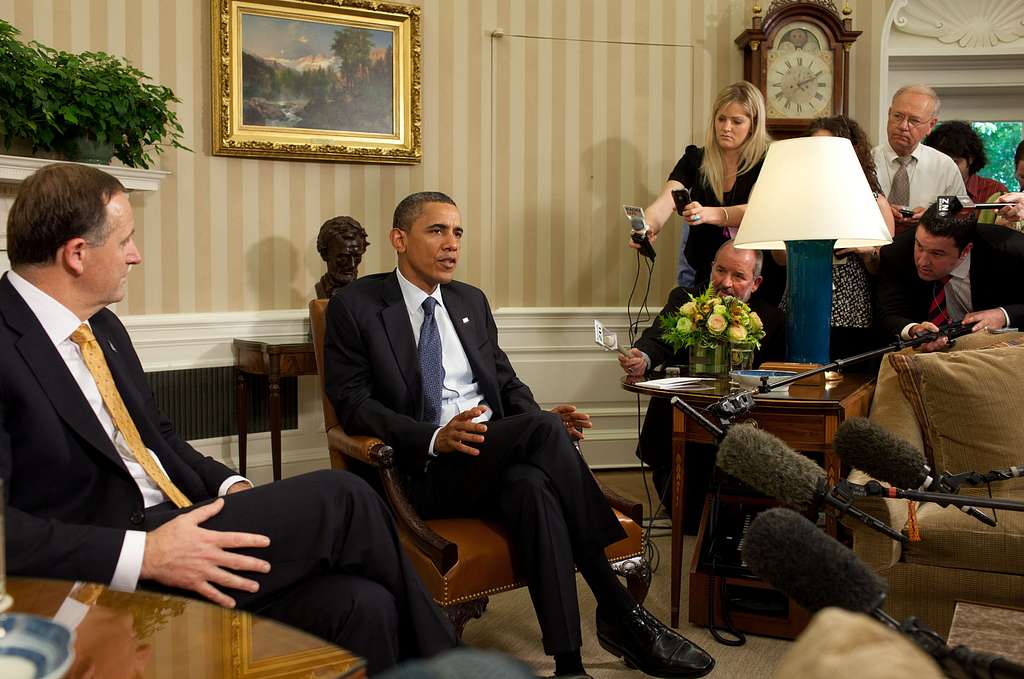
(810, 198)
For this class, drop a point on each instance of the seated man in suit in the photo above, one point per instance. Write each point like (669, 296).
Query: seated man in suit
(100, 488)
(412, 356)
(951, 269)
(733, 272)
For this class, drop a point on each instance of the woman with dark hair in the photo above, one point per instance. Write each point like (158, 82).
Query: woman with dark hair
(991, 217)
(852, 316)
(959, 141)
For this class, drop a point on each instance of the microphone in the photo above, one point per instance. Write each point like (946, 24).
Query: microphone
(883, 455)
(792, 555)
(638, 224)
(765, 462)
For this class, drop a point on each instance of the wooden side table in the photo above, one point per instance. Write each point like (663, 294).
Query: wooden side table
(275, 357)
(805, 418)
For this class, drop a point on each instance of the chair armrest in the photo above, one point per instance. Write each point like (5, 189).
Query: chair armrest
(442, 553)
(876, 550)
(634, 510)
(366, 449)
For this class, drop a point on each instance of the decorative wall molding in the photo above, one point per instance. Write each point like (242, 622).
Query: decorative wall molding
(552, 350)
(968, 25)
(15, 169)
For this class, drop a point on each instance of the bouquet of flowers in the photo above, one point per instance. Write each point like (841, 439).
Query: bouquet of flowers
(707, 320)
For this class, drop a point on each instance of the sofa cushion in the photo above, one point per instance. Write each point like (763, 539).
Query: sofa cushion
(951, 539)
(966, 405)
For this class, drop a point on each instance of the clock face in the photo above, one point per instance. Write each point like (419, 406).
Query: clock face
(799, 76)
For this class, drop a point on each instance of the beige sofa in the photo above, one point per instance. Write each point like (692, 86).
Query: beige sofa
(965, 409)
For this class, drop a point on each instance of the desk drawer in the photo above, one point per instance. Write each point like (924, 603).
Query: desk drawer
(801, 432)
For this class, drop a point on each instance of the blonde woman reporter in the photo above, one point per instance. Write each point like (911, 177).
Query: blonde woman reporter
(719, 177)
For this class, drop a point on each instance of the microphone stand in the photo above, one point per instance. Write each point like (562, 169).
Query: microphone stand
(959, 662)
(739, 404)
(951, 332)
(876, 489)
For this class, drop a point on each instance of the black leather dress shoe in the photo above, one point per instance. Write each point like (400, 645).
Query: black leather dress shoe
(643, 642)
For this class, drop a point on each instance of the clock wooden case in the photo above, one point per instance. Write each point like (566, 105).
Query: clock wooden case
(799, 57)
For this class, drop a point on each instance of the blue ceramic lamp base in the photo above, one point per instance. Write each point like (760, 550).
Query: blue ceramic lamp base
(809, 311)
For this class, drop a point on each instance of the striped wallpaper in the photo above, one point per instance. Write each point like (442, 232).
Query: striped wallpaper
(540, 135)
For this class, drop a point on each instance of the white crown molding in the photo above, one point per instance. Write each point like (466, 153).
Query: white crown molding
(15, 169)
(964, 25)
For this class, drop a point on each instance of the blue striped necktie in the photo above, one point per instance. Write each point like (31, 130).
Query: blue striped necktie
(431, 364)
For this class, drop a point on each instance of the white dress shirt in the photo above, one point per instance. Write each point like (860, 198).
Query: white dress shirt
(59, 323)
(460, 391)
(931, 174)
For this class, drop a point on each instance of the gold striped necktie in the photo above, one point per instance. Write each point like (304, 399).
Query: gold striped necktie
(97, 365)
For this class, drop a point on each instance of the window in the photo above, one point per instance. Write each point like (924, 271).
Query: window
(1000, 140)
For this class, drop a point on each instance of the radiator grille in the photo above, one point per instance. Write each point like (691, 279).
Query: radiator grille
(200, 402)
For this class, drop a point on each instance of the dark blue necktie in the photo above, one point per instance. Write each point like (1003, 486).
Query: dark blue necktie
(431, 365)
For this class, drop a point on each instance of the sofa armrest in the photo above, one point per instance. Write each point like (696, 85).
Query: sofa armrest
(876, 550)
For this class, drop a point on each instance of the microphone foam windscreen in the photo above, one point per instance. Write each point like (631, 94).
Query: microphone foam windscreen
(765, 462)
(816, 571)
(880, 453)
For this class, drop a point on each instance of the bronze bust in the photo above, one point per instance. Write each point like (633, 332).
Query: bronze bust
(341, 243)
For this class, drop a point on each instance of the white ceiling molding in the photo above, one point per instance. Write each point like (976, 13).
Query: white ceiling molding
(978, 25)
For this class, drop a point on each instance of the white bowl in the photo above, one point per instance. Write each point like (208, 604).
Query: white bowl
(752, 378)
(34, 647)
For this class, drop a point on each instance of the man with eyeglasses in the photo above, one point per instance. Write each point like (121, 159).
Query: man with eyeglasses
(910, 173)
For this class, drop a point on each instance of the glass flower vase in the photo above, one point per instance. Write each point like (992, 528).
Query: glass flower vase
(709, 361)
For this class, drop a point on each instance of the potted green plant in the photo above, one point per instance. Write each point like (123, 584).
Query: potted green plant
(26, 121)
(74, 103)
(103, 100)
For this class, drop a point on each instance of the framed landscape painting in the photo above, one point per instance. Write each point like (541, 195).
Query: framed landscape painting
(316, 80)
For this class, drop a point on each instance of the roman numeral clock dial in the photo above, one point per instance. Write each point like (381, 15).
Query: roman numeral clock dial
(799, 84)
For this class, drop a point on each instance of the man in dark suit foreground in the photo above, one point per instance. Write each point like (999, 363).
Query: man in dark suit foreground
(412, 356)
(100, 488)
(736, 273)
(951, 269)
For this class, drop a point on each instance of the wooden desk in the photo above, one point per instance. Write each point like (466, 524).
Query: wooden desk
(275, 357)
(806, 418)
(157, 636)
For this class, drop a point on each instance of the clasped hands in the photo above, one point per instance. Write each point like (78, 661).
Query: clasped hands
(982, 320)
(461, 431)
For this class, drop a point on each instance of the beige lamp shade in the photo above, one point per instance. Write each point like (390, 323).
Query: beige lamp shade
(812, 188)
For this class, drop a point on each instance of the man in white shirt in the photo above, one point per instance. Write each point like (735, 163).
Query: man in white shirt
(100, 488)
(912, 174)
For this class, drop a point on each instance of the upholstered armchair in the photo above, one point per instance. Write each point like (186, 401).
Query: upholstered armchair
(461, 561)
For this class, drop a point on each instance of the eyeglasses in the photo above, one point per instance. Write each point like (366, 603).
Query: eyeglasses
(899, 119)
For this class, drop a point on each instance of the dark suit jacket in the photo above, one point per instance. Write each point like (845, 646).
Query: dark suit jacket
(997, 260)
(372, 372)
(773, 346)
(69, 496)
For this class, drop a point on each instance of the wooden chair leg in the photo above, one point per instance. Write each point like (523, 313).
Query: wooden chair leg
(637, 574)
(461, 613)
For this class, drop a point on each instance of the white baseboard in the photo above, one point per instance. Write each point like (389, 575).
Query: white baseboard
(552, 350)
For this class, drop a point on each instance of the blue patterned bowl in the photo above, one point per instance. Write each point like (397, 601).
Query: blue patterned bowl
(752, 378)
(34, 647)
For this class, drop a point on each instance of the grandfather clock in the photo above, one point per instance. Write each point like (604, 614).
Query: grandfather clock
(798, 55)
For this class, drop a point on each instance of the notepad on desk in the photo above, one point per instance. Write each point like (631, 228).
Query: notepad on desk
(675, 383)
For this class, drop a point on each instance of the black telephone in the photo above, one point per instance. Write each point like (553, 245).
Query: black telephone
(727, 527)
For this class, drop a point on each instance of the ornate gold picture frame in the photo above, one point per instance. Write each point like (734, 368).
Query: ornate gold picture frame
(316, 80)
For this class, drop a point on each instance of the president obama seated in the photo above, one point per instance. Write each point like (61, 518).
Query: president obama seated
(412, 356)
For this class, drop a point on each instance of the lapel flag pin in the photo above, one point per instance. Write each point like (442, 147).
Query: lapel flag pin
(465, 320)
